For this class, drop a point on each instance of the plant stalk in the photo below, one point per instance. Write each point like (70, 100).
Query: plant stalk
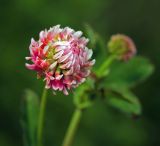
(41, 118)
(70, 134)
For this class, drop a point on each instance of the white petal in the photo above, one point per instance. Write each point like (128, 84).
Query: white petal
(32, 40)
(59, 48)
(55, 87)
(45, 49)
(81, 60)
(84, 40)
(65, 91)
(89, 54)
(71, 57)
(87, 73)
(78, 34)
(61, 43)
(83, 80)
(31, 50)
(47, 86)
(57, 29)
(92, 62)
(58, 55)
(59, 77)
(74, 82)
(28, 58)
(52, 78)
(63, 58)
(42, 34)
(53, 65)
(68, 30)
(54, 28)
(57, 26)
(73, 60)
(86, 49)
(67, 65)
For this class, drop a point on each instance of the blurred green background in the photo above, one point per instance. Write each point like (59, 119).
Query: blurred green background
(23, 19)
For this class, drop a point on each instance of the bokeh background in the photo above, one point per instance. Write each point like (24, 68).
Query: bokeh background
(23, 19)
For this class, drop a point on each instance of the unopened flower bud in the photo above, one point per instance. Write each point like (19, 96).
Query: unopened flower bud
(122, 46)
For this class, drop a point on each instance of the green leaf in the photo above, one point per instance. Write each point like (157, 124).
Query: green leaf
(91, 34)
(96, 42)
(82, 95)
(98, 45)
(124, 101)
(30, 111)
(128, 74)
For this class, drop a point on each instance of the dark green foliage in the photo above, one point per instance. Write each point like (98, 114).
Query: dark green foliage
(84, 94)
(30, 111)
(128, 74)
(92, 35)
(114, 78)
(124, 101)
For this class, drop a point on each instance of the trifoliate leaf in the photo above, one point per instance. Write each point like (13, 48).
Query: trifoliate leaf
(128, 74)
(124, 101)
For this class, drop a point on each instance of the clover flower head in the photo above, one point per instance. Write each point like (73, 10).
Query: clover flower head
(61, 57)
(123, 46)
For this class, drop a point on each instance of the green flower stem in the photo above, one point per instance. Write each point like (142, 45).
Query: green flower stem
(41, 117)
(106, 64)
(68, 139)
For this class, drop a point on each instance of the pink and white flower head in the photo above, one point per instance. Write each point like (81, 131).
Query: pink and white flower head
(61, 57)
